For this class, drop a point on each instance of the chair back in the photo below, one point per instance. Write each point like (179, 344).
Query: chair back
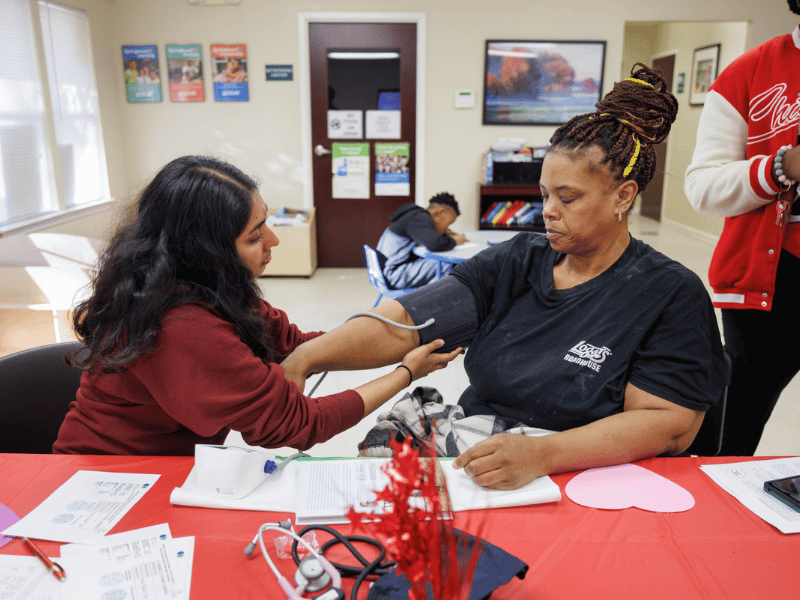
(709, 441)
(375, 269)
(36, 388)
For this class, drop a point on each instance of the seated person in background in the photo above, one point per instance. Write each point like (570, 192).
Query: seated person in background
(587, 333)
(411, 226)
(179, 346)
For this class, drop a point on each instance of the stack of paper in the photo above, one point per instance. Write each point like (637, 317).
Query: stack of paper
(144, 564)
(745, 482)
(322, 491)
(84, 508)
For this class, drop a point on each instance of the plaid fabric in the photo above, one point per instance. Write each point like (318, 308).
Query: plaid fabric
(423, 415)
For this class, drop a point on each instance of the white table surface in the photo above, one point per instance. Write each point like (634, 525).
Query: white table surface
(478, 241)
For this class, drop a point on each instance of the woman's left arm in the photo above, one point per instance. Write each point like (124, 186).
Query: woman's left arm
(647, 427)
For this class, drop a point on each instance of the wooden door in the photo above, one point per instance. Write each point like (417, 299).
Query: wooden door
(652, 196)
(370, 81)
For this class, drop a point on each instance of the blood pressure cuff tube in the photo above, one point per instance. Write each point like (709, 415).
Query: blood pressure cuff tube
(495, 567)
(453, 308)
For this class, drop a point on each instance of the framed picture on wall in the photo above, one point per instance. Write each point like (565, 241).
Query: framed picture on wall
(533, 82)
(705, 68)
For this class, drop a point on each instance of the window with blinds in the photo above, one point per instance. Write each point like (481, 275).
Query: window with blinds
(26, 180)
(33, 165)
(73, 97)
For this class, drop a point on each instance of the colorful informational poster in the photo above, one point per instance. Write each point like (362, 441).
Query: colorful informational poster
(391, 169)
(185, 68)
(350, 166)
(230, 72)
(140, 67)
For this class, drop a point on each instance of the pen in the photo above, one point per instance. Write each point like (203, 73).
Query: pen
(54, 568)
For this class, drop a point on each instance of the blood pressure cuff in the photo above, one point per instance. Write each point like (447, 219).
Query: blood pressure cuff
(452, 306)
(495, 567)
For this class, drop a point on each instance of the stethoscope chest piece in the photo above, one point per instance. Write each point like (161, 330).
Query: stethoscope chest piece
(311, 576)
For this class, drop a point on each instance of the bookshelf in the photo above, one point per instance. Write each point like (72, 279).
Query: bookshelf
(489, 194)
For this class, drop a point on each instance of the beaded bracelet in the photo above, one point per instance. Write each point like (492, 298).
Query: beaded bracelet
(778, 166)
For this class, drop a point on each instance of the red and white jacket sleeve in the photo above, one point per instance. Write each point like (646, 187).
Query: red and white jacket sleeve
(721, 180)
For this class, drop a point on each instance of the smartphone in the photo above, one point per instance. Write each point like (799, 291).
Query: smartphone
(787, 490)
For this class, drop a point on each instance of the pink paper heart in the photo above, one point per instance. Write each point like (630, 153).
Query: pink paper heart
(624, 486)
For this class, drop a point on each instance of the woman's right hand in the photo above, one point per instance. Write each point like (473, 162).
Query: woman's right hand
(424, 360)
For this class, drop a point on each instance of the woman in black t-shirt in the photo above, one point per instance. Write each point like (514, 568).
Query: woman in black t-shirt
(589, 333)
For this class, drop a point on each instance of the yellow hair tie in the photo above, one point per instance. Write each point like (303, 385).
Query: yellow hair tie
(639, 81)
(633, 158)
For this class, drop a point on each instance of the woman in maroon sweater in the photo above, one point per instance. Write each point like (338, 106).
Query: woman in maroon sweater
(179, 347)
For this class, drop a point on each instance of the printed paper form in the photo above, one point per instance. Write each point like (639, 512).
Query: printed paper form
(745, 482)
(331, 487)
(144, 564)
(84, 508)
(25, 578)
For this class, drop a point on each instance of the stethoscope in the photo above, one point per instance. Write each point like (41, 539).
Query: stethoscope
(315, 572)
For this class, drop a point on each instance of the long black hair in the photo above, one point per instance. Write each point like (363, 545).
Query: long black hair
(637, 114)
(179, 249)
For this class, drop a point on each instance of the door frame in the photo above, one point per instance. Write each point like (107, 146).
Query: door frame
(304, 68)
(667, 154)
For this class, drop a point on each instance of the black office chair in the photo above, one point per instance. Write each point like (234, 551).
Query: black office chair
(710, 444)
(36, 387)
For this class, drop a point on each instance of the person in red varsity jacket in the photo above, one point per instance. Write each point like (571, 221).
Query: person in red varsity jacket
(745, 168)
(179, 347)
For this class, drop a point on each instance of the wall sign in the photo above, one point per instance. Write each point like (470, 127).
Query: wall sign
(278, 72)
(345, 124)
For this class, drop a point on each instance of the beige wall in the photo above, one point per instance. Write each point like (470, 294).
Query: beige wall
(645, 41)
(263, 135)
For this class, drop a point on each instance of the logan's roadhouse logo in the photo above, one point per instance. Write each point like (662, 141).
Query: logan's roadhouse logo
(586, 355)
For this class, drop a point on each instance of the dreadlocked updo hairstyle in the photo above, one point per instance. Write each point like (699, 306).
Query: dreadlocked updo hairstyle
(630, 119)
(180, 248)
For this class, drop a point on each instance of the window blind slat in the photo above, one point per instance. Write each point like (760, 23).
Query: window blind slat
(25, 189)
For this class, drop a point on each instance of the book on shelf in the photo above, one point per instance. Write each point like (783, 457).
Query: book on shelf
(497, 209)
(323, 490)
(532, 217)
(512, 210)
(487, 215)
(520, 215)
(498, 215)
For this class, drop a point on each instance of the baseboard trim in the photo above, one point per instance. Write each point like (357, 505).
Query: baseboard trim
(693, 232)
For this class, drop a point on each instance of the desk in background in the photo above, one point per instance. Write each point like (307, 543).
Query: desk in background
(718, 550)
(478, 241)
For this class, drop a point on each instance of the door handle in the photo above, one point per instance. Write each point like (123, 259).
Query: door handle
(319, 150)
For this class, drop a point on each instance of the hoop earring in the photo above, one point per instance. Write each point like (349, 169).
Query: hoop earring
(619, 215)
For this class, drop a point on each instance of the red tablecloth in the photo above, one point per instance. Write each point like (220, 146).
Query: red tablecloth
(718, 550)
